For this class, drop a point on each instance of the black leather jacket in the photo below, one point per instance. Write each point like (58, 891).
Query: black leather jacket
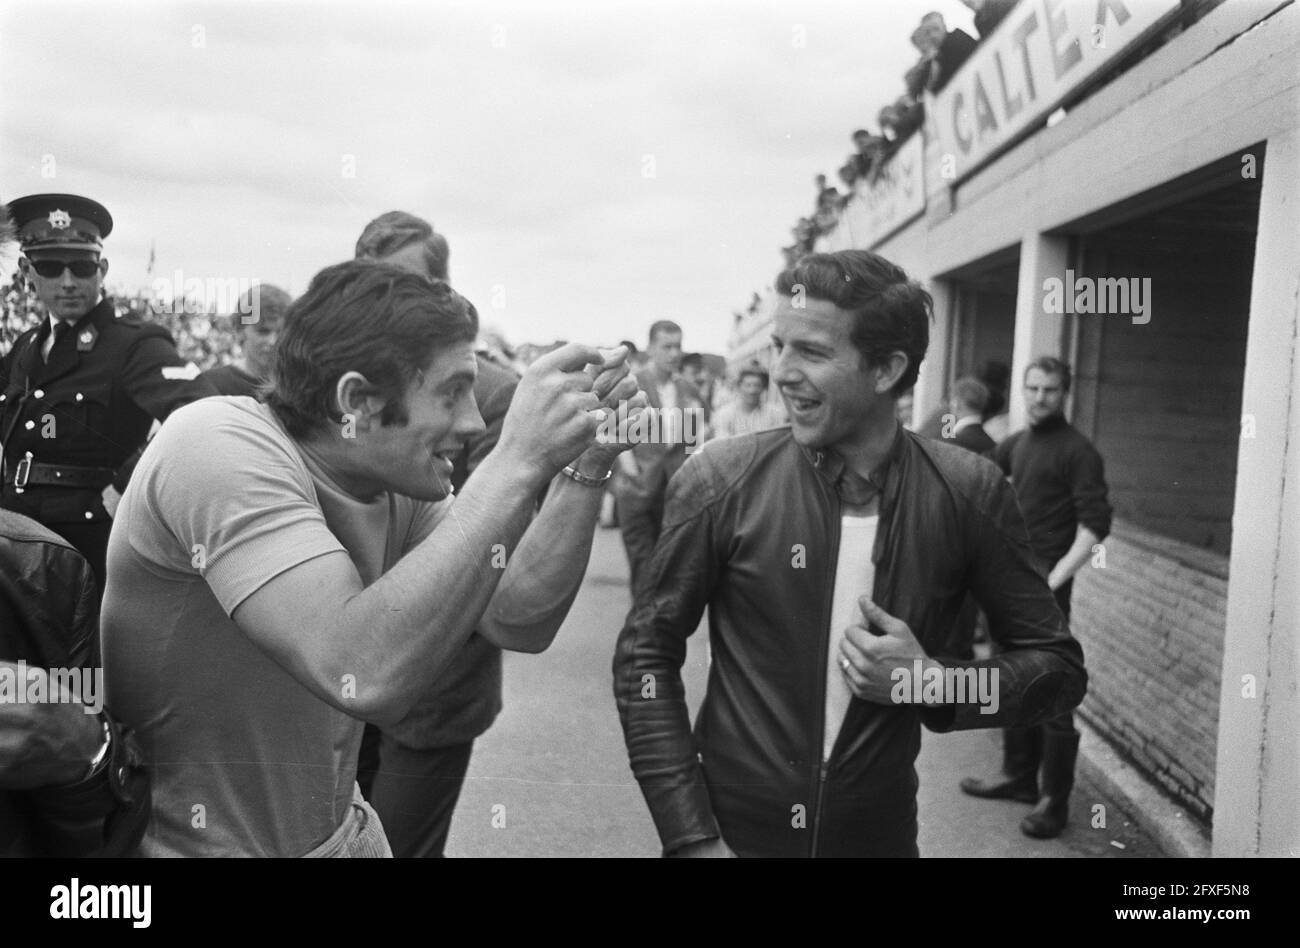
(752, 530)
(49, 617)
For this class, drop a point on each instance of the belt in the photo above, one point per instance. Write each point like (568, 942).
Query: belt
(29, 473)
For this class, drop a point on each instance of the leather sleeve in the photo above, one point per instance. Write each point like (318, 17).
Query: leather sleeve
(648, 660)
(100, 817)
(1039, 665)
(57, 603)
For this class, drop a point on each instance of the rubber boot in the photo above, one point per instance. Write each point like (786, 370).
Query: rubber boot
(1050, 814)
(1021, 752)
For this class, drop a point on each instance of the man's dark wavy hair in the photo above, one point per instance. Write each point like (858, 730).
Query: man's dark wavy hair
(367, 317)
(891, 313)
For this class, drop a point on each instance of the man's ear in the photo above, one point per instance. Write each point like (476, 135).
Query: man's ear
(358, 402)
(103, 267)
(889, 373)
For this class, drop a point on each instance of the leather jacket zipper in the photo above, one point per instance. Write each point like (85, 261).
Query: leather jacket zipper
(824, 766)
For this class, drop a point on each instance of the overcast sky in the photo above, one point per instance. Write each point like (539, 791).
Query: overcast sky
(595, 166)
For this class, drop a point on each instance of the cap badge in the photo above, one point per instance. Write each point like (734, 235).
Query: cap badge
(60, 220)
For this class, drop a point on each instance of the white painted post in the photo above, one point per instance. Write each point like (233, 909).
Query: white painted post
(1257, 773)
(1037, 332)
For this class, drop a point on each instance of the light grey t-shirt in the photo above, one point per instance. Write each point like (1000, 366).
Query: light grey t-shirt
(245, 760)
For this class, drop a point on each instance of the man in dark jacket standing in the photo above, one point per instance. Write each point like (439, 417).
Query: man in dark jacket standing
(833, 558)
(79, 392)
(969, 398)
(413, 772)
(641, 484)
(1061, 484)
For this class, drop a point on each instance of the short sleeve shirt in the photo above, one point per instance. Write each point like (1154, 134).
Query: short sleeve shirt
(246, 760)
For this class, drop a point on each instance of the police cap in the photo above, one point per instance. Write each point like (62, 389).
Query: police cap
(60, 222)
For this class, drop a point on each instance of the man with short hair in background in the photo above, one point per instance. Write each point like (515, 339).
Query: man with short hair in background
(749, 411)
(256, 321)
(644, 472)
(969, 399)
(694, 371)
(961, 426)
(1060, 482)
(413, 772)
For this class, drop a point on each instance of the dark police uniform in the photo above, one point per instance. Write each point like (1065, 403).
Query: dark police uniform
(74, 424)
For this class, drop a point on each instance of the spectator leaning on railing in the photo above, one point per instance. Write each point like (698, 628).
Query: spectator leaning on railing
(989, 13)
(950, 49)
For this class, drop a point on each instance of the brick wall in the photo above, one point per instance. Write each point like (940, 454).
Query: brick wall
(1152, 623)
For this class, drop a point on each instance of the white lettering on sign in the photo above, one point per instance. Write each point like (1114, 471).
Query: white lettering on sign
(1036, 56)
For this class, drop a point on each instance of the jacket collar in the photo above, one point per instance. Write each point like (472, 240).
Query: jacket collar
(68, 355)
(851, 486)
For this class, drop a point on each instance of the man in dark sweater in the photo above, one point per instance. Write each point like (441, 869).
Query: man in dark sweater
(1061, 487)
(969, 398)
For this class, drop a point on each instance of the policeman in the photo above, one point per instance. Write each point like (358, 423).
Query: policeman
(79, 392)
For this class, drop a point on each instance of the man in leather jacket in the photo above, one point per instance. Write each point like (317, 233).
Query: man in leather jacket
(833, 557)
(72, 783)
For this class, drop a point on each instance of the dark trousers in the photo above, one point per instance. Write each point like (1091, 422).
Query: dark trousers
(639, 521)
(91, 539)
(414, 791)
(1022, 747)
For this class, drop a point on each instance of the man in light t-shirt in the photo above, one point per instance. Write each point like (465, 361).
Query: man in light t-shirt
(280, 573)
(749, 412)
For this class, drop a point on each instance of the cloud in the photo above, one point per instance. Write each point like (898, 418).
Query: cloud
(258, 138)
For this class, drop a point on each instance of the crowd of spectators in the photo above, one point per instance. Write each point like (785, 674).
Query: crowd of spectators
(207, 339)
(941, 53)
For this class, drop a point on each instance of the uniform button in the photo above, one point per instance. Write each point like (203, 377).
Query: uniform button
(89, 515)
(3, 397)
(79, 396)
(39, 393)
(30, 425)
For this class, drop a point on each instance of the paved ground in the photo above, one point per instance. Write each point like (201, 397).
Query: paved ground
(551, 778)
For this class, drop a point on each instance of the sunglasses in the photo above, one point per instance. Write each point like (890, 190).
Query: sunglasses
(50, 269)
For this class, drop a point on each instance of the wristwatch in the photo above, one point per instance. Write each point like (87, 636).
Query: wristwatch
(97, 762)
(586, 480)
